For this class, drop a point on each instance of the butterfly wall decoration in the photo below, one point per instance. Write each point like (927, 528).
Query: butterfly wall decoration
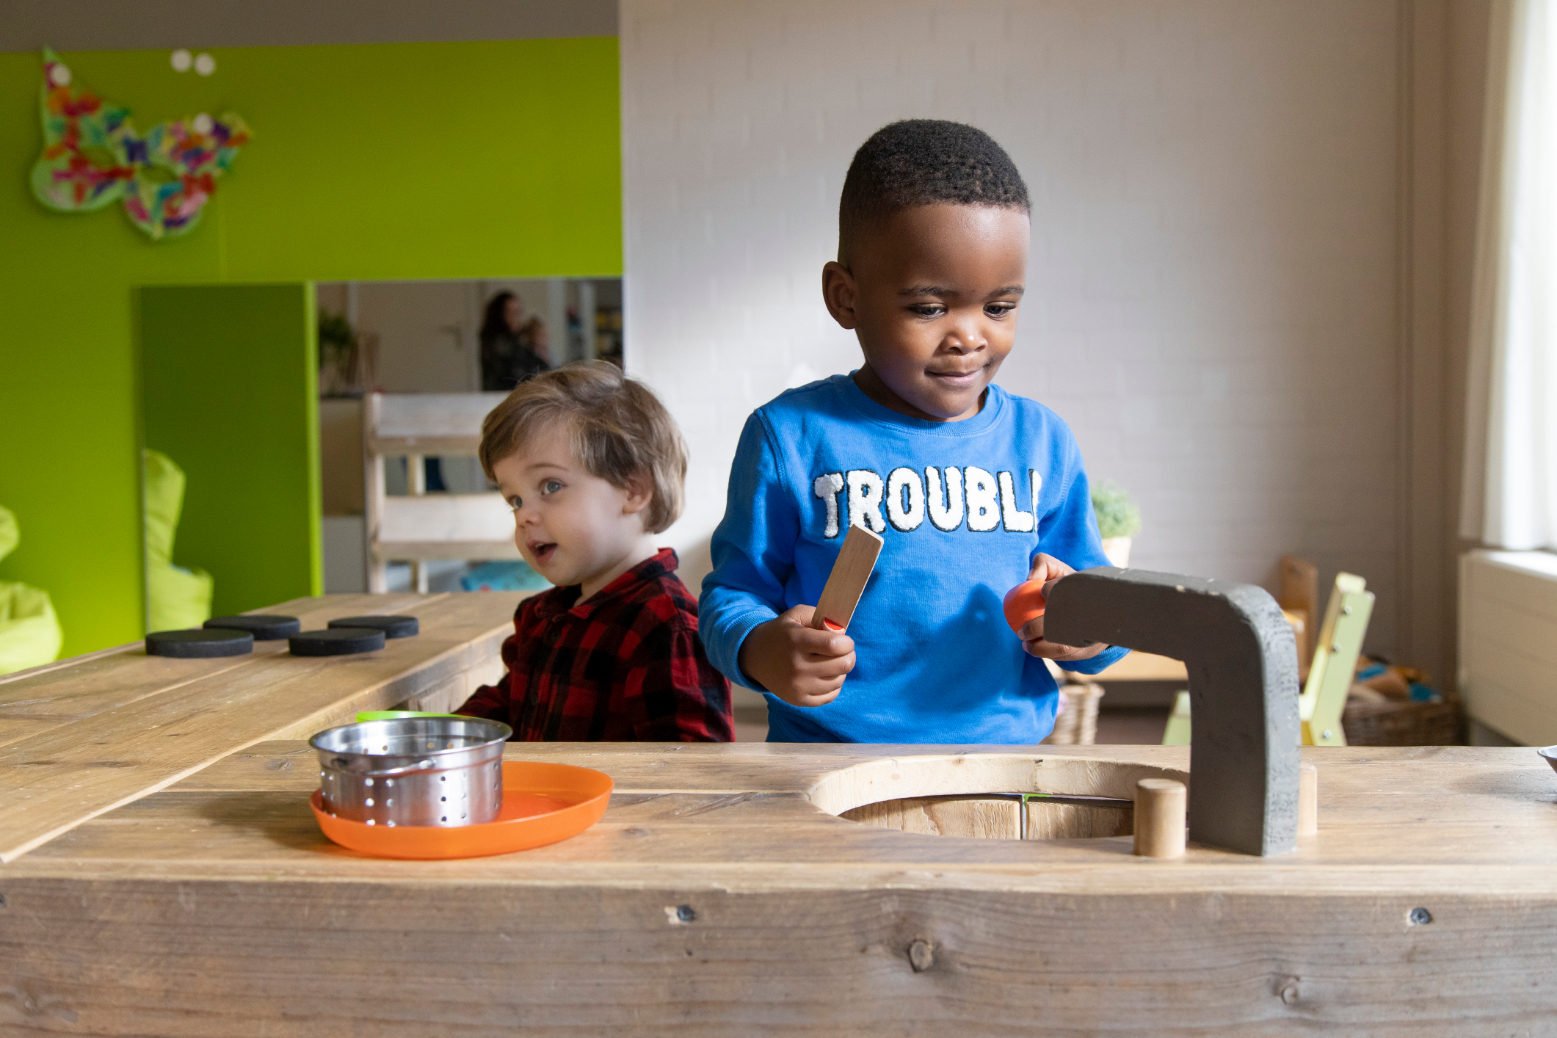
(93, 157)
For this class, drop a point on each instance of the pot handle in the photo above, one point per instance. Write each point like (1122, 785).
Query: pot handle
(395, 715)
(426, 765)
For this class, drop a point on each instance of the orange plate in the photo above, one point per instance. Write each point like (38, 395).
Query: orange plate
(542, 803)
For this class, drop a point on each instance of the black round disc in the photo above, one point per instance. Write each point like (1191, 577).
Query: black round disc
(392, 626)
(264, 628)
(199, 643)
(336, 641)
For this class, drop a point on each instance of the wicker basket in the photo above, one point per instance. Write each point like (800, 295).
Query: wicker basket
(1077, 723)
(1404, 723)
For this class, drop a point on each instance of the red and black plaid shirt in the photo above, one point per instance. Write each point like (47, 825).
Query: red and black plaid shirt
(624, 665)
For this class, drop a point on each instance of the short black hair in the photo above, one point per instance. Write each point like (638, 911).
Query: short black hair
(924, 162)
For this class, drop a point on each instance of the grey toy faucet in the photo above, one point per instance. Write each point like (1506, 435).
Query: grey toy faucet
(1243, 688)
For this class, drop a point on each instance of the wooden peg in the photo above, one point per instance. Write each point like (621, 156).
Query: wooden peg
(847, 581)
(1160, 806)
(1308, 800)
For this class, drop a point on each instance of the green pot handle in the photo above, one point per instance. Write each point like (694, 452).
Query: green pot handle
(395, 715)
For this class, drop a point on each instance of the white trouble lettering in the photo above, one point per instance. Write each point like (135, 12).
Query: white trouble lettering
(826, 487)
(945, 509)
(905, 499)
(865, 491)
(983, 499)
(1011, 517)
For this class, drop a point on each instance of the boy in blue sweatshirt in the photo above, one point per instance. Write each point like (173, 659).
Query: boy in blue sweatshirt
(973, 489)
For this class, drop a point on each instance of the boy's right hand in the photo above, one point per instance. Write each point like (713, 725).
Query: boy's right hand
(800, 665)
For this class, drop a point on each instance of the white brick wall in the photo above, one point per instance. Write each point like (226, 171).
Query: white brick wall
(1212, 291)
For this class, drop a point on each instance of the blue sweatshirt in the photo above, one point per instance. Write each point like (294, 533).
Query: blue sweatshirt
(963, 507)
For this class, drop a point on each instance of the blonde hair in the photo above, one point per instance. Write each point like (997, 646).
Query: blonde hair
(619, 431)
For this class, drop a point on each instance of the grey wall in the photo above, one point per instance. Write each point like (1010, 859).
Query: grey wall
(1252, 228)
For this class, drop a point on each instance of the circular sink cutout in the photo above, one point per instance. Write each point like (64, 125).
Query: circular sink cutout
(990, 796)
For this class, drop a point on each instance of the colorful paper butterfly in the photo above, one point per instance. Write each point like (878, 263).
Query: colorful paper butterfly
(93, 157)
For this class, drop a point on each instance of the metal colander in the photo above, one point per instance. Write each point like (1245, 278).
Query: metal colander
(438, 771)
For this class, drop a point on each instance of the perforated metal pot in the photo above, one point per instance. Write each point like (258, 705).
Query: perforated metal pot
(439, 771)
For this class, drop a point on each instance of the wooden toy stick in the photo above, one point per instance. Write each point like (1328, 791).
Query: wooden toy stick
(1160, 806)
(846, 583)
(1308, 800)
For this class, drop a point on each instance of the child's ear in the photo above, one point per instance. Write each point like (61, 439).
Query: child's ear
(640, 492)
(839, 293)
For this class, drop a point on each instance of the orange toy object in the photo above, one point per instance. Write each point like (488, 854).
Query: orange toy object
(1023, 603)
(542, 803)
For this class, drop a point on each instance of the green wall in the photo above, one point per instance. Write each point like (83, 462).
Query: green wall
(230, 393)
(436, 160)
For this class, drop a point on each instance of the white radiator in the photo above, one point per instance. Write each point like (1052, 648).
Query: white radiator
(1508, 642)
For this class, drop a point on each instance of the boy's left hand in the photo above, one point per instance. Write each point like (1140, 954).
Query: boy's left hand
(1049, 569)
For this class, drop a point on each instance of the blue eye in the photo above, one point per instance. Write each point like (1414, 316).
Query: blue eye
(551, 486)
(516, 502)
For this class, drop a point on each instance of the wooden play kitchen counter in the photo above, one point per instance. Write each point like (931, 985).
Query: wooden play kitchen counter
(721, 894)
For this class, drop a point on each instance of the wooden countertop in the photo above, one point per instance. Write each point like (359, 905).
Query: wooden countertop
(1391, 819)
(720, 894)
(91, 733)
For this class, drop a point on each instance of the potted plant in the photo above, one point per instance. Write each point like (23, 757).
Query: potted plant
(1118, 520)
(346, 358)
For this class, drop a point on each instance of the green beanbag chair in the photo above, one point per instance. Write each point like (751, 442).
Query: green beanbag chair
(178, 597)
(30, 634)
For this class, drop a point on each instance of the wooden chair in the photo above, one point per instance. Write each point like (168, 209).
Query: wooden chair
(420, 527)
(1298, 596)
(1329, 674)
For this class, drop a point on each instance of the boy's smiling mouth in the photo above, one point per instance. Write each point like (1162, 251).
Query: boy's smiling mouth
(957, 378)
(542, 550)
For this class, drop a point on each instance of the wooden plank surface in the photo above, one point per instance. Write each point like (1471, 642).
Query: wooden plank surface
(127, 725)
(722, 894)
(700, 809)
(967, 816)
(71, 690)
(733, 904)
(289, 958)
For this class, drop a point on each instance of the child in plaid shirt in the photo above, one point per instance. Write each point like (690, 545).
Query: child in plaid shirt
(593, 466)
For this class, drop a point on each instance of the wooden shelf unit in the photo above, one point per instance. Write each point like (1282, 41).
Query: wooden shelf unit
(420, 527)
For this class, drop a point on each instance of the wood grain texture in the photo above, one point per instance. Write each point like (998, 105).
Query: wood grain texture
(1048, 821)
(72, 690)
(973, 817)
(850, 573)
(203, 911)
(238, 960)
(130, 724)
(703, 904)
(722, 894)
